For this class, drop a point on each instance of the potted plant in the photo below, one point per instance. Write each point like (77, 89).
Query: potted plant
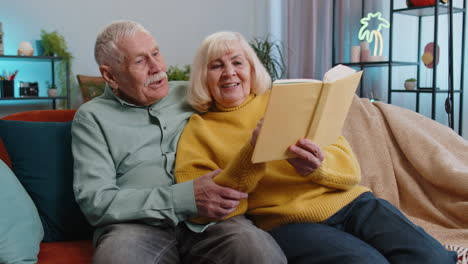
(270, 54)
(175, 73)
(410, 84)
(54, 44)
(52, 90)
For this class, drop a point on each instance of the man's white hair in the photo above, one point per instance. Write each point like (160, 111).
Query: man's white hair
(106, 51)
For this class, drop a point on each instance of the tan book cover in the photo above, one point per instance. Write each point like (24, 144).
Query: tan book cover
(305, 108)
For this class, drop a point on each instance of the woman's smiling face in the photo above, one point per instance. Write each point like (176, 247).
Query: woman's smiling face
(228, 77)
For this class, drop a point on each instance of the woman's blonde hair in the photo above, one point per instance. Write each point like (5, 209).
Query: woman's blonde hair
(215, 46)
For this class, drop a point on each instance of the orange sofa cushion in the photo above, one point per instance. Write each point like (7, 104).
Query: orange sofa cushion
(4, 155)
(69, 252)
(43, 116)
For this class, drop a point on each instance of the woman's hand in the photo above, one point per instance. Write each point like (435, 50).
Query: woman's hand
(309, 156)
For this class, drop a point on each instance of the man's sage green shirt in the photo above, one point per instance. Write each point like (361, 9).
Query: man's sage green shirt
(124, 159)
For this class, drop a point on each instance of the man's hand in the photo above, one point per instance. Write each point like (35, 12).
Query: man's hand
(215, 201)
(309, 156)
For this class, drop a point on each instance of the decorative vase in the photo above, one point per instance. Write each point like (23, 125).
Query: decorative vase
(39, 48)
(25, 49)
(52, 92)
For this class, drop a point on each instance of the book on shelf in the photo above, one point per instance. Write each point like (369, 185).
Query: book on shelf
(305, 108)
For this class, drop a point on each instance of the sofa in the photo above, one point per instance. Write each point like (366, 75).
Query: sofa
(61, 247)
(415, 163)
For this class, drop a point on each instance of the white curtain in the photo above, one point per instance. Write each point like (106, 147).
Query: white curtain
(309, 38)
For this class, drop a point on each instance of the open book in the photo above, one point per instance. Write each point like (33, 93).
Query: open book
(305, 108)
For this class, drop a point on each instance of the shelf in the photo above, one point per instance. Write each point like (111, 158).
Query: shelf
(32, 98)
(378, 63)
(427, 10)
(423, 91)
(52, 60)
(30, 57)
(416, 17)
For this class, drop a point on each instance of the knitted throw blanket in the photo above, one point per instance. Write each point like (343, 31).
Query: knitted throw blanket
(415, 163)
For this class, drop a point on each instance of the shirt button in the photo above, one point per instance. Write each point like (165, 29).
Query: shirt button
(164, 127)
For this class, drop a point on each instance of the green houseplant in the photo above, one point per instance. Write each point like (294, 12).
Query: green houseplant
(270, 53)
(174, 73)
(54, 44)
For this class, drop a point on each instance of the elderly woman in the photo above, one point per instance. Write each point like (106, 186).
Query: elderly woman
(311, 204)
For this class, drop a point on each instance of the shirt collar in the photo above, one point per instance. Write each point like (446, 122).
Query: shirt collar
(110, 94)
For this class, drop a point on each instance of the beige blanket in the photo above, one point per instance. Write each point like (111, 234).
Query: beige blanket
(417, 164)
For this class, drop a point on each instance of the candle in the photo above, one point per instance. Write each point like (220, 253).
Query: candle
(355, 53)
(365, 55)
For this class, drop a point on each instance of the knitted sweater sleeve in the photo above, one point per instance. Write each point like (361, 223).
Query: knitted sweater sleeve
(240, 174)
(195, 158)
(340, 168)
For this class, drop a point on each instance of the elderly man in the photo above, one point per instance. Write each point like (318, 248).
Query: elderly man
(124, 146)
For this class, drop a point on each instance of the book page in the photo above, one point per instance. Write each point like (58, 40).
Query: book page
(333, 109)
(296, 81)
(337, 72)
(311, 109)
(287, 119)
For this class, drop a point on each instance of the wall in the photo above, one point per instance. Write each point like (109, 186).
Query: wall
(179, 26)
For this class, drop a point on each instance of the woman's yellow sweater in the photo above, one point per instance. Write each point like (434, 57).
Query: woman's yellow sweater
(277, 193)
